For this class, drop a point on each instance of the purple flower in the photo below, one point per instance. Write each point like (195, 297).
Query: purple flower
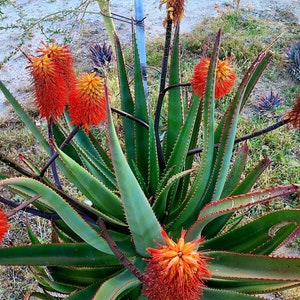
(101, 56)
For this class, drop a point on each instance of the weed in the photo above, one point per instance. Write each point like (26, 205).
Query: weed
(268, 103)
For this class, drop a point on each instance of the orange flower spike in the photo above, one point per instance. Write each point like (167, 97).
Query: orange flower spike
(175, 9)
(225, 77)
(4, 226)
(49, 87)
(294, 114)
(63, 59)
(175, 271)
(87, 104)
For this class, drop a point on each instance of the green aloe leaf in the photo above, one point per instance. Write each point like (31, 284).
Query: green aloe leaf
(98, 169)
(219, 294)
(116, 286)
(236, 171)
(82, 277)
(226, 134)
(255, 71)
(102, 152)
(63, 229)
(177, 159)
(33, 238)
(253, 268)
(252, 177)
(108, 204)
(81, 138)
(160, 203)
(246, 266)
(141, 112)
(187, 211)
(139, 177)
(227, 205)
(108, 20)
(252, 286)
(250, 79)
(63, 209)
(40, 274)
(127, 103)
(175, 106)
(261, 236)
(41, 296)
(60, 135)
(153, 165)
(44, 279)
(143, 224)
(86, 293)
(60, 236)
(84, 141)
(73, 254)
(185, 182)
(241, 188)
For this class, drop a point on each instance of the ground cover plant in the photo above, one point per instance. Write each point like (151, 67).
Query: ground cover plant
(150, 208)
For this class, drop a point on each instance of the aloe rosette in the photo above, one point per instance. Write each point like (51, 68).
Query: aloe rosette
(159, 216)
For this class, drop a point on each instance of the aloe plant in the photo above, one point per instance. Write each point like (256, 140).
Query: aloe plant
(145, 190)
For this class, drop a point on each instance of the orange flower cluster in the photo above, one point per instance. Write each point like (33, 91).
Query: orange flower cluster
(55, 85)
(175, 9)
(225, 78)
(4, 226)
(88, 103)
(53, 75)
(176, 271)
(294, 114)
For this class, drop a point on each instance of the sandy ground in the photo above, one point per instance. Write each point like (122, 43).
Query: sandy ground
(19, 26)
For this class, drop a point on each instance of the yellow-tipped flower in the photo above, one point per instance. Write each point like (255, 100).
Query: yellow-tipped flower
(175, 10)
(63, 59)
(225, 77)
(175, 271)
(53, 77)
(87, 103)
(49, 87)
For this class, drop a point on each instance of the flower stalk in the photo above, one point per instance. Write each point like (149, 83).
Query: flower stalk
(161, 159)
(118, 253)
(54, 155)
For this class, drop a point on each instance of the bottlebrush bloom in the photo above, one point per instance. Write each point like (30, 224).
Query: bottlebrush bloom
(53, 77)
(294, 114)
(63, 59)
(225, 77)
(175, 271)
(175, 9)
(87, 105)
(50, 89)
(4, 226)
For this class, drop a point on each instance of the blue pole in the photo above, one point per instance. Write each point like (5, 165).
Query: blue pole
(141, 43)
